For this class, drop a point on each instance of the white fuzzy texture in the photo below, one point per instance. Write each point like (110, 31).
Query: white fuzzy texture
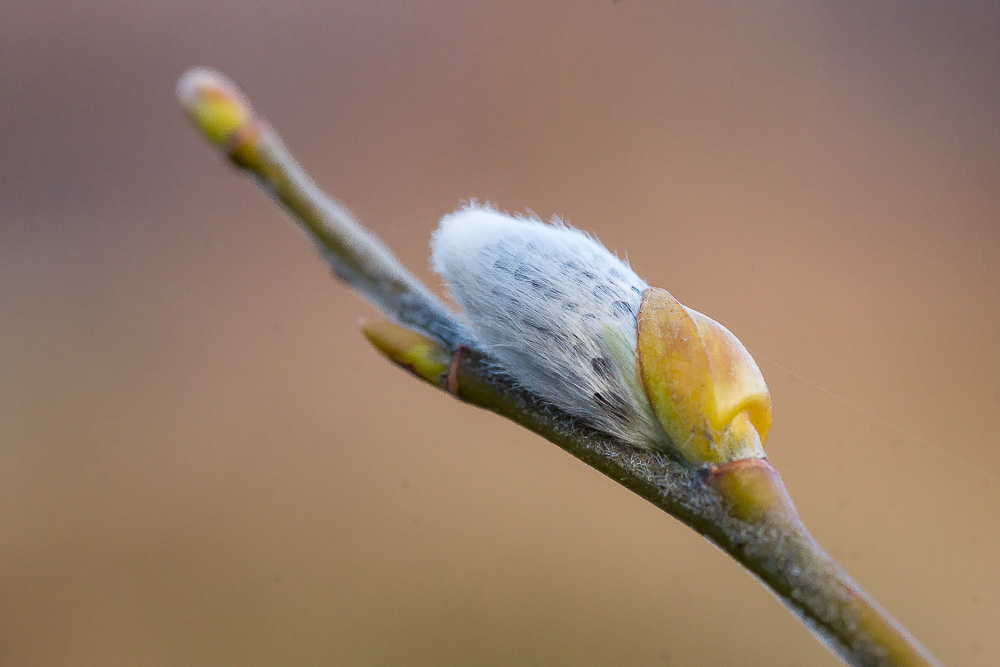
(556, 309)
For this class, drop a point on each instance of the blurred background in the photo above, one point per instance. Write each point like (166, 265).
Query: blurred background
(202, 462)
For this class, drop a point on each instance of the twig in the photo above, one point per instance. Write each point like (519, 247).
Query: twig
(744, 509)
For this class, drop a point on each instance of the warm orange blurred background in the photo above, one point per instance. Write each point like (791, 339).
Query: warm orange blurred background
(203, 463)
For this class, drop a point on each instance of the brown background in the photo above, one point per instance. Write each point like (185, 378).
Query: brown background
(202, 462)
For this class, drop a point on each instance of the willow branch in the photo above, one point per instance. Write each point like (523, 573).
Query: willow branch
(748, 515)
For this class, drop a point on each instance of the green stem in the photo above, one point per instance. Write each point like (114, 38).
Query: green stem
(723, 504)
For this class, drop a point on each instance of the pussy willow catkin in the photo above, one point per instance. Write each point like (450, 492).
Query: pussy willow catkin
(574, 324)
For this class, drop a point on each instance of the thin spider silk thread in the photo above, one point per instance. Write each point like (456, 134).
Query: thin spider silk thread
(885, 422)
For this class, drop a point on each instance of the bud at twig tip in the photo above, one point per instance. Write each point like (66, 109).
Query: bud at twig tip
(215, 103)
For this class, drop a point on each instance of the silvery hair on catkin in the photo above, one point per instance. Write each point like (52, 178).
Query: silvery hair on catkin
(555, 309)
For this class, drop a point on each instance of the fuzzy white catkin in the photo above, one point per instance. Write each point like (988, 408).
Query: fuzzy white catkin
(557, 311)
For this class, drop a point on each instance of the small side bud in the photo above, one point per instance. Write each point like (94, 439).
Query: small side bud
(705, 388)
(413, 351)
(215, 103)
(753, 490)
